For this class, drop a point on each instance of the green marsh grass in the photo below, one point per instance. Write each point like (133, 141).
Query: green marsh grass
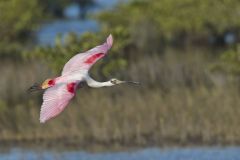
(180, 102)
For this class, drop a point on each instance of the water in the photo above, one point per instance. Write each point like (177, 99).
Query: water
(213, 153)
(47, 33)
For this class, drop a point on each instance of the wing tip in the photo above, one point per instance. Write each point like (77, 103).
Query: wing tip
(42, 120)
(110, 40)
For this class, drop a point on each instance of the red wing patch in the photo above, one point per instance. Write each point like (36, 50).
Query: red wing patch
(71, 87)
(93, 58)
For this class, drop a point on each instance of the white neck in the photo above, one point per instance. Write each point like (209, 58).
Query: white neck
(95, 84)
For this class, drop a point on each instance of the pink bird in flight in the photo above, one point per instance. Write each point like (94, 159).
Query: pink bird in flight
(60, 90)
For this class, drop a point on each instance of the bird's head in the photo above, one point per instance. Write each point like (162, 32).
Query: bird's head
(46, 84)
(115, 81)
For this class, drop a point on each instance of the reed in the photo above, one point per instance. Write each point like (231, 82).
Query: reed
(180, 102)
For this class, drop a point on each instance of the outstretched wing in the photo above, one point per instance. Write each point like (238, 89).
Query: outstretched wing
(55, 100)
(84, 61)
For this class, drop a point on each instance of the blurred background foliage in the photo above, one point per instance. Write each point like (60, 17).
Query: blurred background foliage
(18, 19)
(174, 21)
(142, 26)
(185, 52)
(231, 60)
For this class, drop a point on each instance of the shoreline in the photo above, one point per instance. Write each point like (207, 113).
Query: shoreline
(101, 146)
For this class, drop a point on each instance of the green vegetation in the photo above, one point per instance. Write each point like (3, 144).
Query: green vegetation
(18, 19)
(231, 60)
(176, 105)
(173, 21)
(190, 87)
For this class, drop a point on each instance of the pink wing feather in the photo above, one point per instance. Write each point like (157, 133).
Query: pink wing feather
(84, 61)
(55, 100)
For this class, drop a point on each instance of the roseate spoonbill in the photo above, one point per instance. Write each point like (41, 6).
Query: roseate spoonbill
(60, 90)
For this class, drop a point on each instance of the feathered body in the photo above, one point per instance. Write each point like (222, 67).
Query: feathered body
(60, 90)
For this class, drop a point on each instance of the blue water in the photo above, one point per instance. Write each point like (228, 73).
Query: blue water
(47, 33)
(214, 153)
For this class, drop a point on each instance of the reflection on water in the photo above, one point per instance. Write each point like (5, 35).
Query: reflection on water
(215, 153)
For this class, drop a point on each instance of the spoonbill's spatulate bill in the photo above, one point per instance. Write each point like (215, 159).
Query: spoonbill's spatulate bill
(60, 90)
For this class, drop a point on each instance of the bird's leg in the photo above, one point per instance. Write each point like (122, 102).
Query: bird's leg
(132, 82)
